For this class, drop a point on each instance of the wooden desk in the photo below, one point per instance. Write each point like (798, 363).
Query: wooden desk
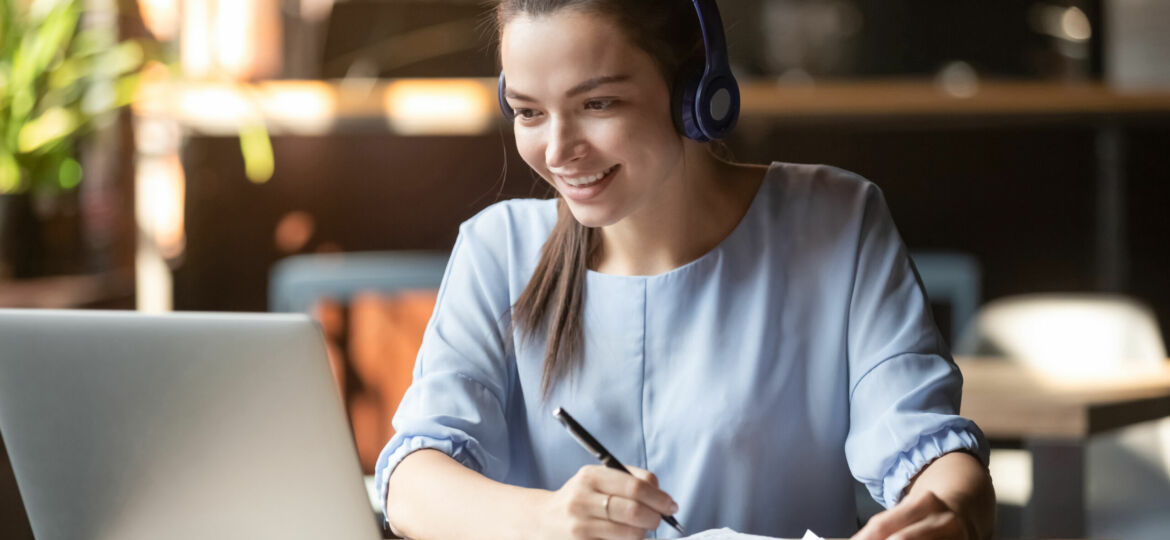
(1053, 418)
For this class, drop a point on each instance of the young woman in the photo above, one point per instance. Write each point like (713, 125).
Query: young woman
(754, 335)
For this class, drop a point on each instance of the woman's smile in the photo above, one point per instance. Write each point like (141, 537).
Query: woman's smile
(580, 188)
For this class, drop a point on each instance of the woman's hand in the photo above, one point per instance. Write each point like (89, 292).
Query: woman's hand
(920, 516)
(603, 503)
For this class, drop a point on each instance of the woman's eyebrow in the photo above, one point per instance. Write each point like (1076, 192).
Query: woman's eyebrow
(580, 88)
(590, 84)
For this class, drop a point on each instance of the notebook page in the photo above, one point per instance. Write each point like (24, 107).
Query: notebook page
(728, 534)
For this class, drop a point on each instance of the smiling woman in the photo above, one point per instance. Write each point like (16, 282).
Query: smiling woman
(754, 335)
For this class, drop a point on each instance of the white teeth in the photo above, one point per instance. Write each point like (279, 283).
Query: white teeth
(586, 180)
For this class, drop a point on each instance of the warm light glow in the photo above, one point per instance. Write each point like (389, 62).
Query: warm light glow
(303, 107)
(216, 106)
(236, 39)
(159, 204)
(432, 106)
(161, 17)
(316, 10)
(1068, 23)
(958, 79)
(1074, 24)
(195, 46)
(294, 231)
(153, 284)
(234, 50)
(156, 135)
(1011, 472)
(153, 92)
(159, 187)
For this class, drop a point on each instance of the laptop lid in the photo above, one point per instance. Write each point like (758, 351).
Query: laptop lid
(123, 425)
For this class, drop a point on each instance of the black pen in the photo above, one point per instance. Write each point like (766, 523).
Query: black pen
(593, 447)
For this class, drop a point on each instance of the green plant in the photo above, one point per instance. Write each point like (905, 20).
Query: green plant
(57, 82)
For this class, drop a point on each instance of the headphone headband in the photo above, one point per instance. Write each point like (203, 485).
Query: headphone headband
(714, 41)
(707, 104)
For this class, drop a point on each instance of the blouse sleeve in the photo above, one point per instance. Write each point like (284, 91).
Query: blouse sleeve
(456, 400)
(904, 388)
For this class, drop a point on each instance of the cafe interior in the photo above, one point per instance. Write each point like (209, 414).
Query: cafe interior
(318, 156)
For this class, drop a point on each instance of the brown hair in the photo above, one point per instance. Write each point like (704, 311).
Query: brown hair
(553, 301)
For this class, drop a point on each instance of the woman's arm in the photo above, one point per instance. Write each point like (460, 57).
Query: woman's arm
(432, 496)
(950, 498)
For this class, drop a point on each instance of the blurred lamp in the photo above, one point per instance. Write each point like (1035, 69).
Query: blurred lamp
(439, 106)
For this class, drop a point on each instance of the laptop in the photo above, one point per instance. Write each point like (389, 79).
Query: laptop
(123, 425)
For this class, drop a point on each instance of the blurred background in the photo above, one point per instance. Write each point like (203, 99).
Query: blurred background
(318, 156)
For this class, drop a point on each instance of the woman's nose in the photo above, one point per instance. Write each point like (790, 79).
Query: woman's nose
(565, 145)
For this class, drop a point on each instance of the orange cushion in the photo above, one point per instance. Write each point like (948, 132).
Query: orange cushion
(373, 346)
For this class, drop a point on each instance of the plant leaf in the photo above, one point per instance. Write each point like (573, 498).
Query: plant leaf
(55, 124)
(9, 172)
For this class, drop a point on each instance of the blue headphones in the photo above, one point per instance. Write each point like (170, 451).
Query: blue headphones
(706, 97)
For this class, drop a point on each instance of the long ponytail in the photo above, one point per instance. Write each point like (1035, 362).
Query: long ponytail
(552, 305)
(554, 299)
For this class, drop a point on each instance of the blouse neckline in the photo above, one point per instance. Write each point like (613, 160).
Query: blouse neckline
(714, 252)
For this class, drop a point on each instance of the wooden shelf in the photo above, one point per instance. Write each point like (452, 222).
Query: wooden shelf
(468, 106)
(922, 98)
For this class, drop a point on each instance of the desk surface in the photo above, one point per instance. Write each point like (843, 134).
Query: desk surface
(1009, 401)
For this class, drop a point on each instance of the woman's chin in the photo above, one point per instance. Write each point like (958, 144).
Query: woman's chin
(592, 217)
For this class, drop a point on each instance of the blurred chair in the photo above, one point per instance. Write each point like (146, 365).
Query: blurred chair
(1127, 477)
(297, 282)
(373, 309)
(954, 280)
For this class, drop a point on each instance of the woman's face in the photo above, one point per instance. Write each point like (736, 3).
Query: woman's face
(592, 113)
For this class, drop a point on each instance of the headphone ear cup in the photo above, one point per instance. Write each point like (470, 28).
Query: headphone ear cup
(683, 95)
(501, 87)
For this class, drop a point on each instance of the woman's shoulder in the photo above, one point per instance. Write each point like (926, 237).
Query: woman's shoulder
(817, 179)
(514, 219)
(806, 189)
(512, 232)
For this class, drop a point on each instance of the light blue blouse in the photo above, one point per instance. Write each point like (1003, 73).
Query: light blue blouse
(756, 381)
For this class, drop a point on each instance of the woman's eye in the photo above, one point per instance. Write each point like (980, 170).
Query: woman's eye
(526, 114)
(599, 104)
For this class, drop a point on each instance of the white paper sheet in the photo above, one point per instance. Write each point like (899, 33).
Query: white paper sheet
(728, 534)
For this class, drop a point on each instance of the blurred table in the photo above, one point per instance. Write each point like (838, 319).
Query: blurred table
(1053, 418)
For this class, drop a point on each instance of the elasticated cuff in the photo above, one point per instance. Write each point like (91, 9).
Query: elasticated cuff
(929, 448)
(464, 452)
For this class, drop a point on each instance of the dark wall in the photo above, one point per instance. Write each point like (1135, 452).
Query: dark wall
(1020, 199)
(363, 191)
(1148, 206)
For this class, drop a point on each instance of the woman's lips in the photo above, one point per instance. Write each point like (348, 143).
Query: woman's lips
(588, 191)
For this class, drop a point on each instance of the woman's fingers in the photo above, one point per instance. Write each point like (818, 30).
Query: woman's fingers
(608, 530)
(633, 513)
(620, 484)
(644, 475)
